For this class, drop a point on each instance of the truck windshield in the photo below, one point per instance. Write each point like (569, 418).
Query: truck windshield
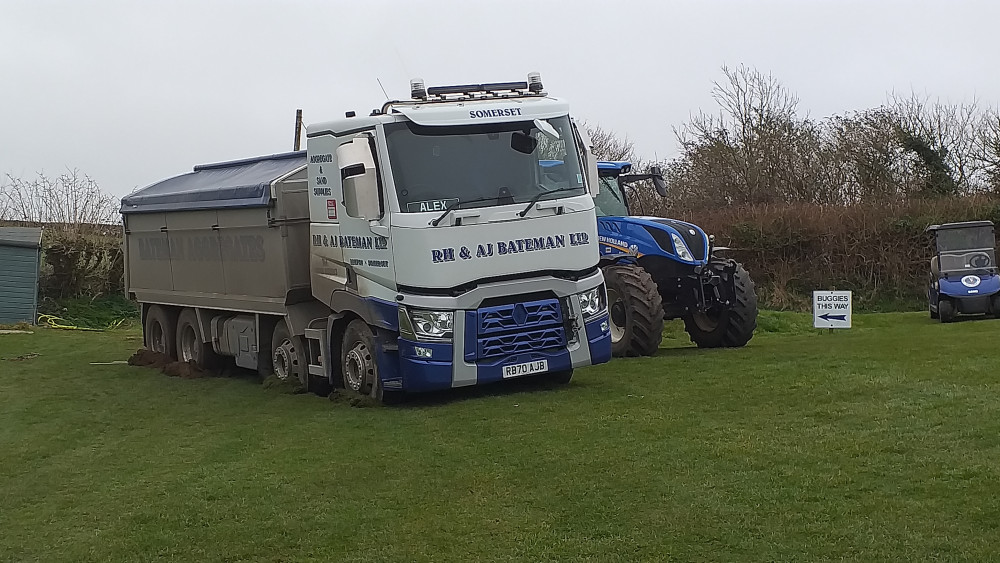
(610, 200)
(434, 167)
(973, 238)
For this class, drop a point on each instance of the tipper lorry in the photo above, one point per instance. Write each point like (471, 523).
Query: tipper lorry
(421, 247)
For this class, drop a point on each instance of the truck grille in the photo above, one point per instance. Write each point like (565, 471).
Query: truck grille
(519, 316)
(518, 342)
(520, 327)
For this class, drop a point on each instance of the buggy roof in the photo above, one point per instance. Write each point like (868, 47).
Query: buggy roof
(223, 185)
(962, 225)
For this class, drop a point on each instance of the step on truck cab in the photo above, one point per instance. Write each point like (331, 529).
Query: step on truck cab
(421, 247)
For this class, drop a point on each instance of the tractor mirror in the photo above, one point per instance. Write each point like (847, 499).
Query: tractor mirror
(656, 174)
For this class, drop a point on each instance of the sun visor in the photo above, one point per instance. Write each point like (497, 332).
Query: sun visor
(492, 111)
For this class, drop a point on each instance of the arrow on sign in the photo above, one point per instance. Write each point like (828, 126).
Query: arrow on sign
(828, 317)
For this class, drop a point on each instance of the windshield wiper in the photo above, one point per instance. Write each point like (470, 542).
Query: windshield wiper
(459, 203)
(539, 195)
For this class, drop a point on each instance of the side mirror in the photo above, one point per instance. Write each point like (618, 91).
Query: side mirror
(358, 176)
(590, 161)
(656, 175)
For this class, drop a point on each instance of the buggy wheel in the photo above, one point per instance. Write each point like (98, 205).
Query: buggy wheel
(934, 314)
(729, 325)
(635, 309)
(995, 305)
(946, 310)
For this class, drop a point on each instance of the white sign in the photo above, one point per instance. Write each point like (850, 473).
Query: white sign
(832, 309)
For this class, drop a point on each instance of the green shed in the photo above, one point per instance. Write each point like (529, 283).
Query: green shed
(20, 260)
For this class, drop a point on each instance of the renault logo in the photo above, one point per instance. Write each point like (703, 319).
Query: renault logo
(520, 314)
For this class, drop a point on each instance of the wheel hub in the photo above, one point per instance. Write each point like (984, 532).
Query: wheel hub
(188, 343)
(282, 361)
(156, 343)
(356, 368)
(706, 320)
(617, 314)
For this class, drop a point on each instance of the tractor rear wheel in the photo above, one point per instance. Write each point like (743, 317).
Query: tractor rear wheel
(636, 311)
(727, 325)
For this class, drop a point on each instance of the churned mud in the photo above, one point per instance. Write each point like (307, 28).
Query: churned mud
(189, 370)
(156, 360)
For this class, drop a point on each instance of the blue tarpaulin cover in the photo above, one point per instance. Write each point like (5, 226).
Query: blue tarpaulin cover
(226, 185)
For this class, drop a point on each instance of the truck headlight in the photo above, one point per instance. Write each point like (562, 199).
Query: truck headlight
(593, 302)
(682, 250)
(426, 325)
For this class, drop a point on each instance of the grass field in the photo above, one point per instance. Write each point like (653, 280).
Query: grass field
(879, 443)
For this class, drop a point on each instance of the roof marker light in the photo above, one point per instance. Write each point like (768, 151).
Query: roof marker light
(417, 89)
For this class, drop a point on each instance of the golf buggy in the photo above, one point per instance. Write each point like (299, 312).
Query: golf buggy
(963, 275)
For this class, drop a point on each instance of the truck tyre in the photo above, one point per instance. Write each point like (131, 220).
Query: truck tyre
(288, 357)
(159, 331)
(727, 325)
(191, 347)
(559, 377)
(946, 310)
(635, 309)
(359, 367)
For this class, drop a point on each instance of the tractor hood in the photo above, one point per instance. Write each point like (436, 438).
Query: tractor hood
(638, 236)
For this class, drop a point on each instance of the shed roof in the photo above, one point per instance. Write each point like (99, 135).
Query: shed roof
(224, 185)
(30, 237)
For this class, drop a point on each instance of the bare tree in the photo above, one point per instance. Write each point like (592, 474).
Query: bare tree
(987, 148)
(609, 146)
(70, 199)
(944, 136)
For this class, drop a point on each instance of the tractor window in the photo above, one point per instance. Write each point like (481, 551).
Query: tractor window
(610, 200)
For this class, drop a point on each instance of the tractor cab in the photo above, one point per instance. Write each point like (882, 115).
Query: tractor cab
(963, 271)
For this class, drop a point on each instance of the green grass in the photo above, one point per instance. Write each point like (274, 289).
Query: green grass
(92, 312)
(878, 443)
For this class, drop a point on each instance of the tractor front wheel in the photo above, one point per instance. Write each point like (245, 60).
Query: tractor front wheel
(636, 311)
(730, 325)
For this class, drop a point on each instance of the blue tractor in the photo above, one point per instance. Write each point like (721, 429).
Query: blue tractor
(963, 275)
(657, 269)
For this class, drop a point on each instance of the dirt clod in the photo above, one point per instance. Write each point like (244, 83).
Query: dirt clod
(162, 362)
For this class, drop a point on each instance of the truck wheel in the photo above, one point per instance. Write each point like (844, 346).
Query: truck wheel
(731, 326)
(159, 331)
(359, 368)
(288, 356)
(191, 347)
(559, 377)
(946, 310)
(635, 309)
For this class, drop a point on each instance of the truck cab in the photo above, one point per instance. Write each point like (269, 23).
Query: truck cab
(423, 246)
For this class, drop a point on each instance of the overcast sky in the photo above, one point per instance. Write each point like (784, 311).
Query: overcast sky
(131, 92)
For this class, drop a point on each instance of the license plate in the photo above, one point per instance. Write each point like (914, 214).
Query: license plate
(526, 368)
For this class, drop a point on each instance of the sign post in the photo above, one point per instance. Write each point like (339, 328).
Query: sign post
(831, 309)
